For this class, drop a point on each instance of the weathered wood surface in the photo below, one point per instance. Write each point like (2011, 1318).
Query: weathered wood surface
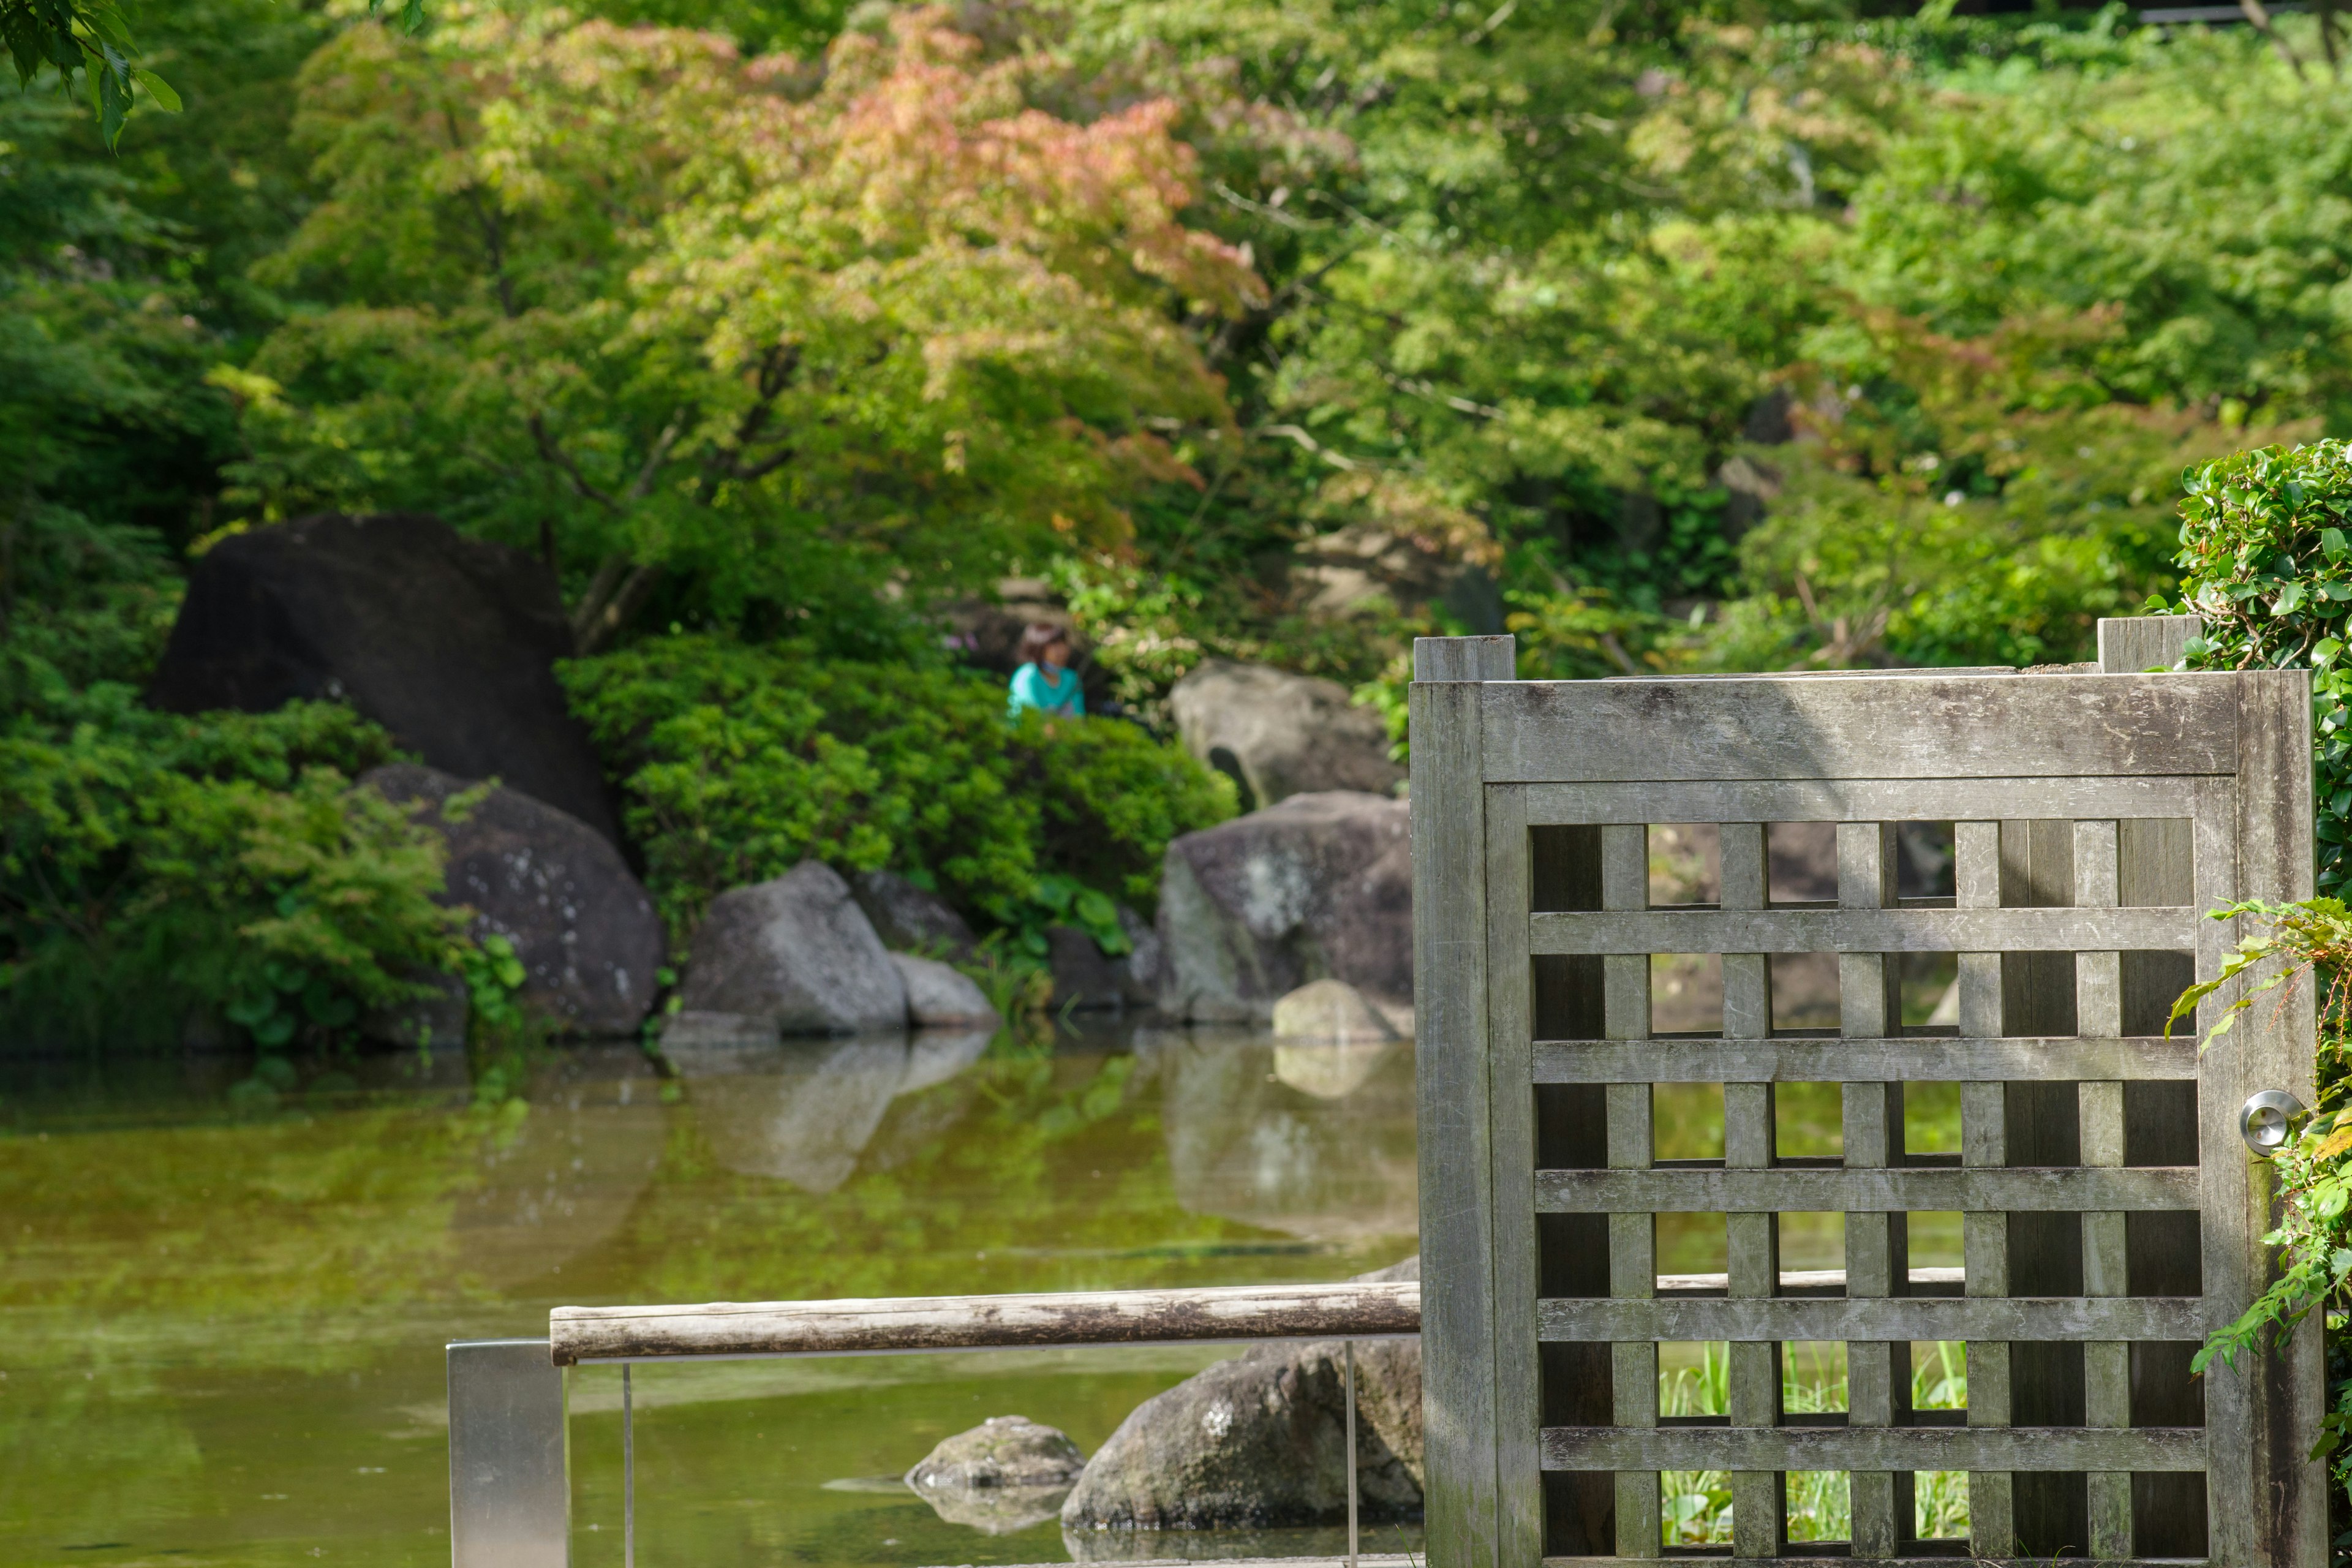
(976, 1322)
(1682, 1189)
(1921, 728)
(2137, 797)
(2137, 644)
(1919, 1059)
(1859, 930)
(1510, 1031)
(1454, 1088)
(1897, 1318)
(1976, 1450)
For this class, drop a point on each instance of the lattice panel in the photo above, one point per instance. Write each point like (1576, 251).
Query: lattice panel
(2109, 1217)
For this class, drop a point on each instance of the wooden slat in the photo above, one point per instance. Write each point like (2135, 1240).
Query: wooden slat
(2099, 1117)
(1510, 1026)
(2269, 1499)
(2041, 726)
(1917, 1058)
(732, 1329)
(1977, 1449)
(1859, 930)
(1984, 1150)
(1683, 1190)
(1888, 1319)
(1453, 1080)
(1861, 799)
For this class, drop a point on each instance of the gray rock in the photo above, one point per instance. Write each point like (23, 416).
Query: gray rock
(939, 995)
(1005, 1474)
(1319, 887)
(448, 642)
(1261, 1441)
(909, 919)
(799, 950)
(554, 886)
(426, 1023)
(1278, 734)
(1088, 978)
(686, 1029)
(1329, 1010)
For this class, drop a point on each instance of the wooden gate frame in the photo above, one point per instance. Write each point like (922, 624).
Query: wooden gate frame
(1493, 757)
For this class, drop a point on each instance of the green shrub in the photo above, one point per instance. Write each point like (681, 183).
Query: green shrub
(2266, 559)
(741, 761)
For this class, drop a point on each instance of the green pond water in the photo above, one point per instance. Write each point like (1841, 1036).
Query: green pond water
(221, 1322)
(222, 1317)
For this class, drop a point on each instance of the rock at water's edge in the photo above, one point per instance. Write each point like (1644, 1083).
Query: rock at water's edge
(1260, 1442)
(799, 950)
(939, 995)
(1319, 887)
(582, 924)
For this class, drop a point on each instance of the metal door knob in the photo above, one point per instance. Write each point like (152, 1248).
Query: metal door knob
(2267, 1120)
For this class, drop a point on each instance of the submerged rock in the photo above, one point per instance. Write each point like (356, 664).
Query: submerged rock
(1005, 1474)
(1261, 1441)
(939, 995)
(799, 950)
(581, 923)
(1330, 1010)
(1278, 734)
(1319, 887)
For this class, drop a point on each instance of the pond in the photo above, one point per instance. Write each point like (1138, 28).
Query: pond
(221, 1318)
(222, 1309)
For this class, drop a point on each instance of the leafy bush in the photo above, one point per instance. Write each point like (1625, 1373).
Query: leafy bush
(155, 864)
(739, 761)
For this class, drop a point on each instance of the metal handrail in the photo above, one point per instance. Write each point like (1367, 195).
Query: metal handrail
(510, 1493)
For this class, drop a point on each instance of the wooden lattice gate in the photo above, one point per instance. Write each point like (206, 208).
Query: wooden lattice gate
(2111, 1216)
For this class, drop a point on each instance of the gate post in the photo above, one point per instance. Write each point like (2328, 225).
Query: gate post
(1466, 1509)
(509, 1481)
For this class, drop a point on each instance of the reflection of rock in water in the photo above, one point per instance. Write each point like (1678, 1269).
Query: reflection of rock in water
(1329, 1069)
(802, 1111)
(937, 1092)
(1245, 1144)
(565, 1178)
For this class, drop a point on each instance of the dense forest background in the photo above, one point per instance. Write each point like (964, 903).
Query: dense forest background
(1678, 336)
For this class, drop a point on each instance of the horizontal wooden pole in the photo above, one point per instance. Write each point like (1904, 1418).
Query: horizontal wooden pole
(1914, 727)
(1873, 1449)
(1682, 1190)
(717, 1329)
(1812, 930)
(2071, 1318)
(1796, 1558)
(1858, 800)
(1915, 1059)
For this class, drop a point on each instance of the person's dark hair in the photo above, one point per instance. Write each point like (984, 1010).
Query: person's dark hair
(1037, 638)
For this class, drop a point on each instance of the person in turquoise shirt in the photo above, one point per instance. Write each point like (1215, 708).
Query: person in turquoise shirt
(1045, 680)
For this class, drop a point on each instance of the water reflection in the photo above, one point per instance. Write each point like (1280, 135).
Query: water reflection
(806, 1109)
(224, 1318)
(1312, 1141)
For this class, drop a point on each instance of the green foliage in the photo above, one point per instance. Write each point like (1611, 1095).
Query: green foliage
(85, 37)
(739, 761)
(2264, 560)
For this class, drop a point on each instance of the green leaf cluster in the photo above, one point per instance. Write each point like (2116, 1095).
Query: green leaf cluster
(739, 761)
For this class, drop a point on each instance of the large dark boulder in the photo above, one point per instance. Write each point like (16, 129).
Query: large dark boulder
(1261, 1441)
(582, 924)
(445, 641)
(1319, 887)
